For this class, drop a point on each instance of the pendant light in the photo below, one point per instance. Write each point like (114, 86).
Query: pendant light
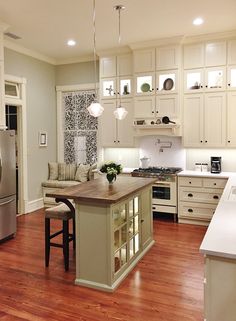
(120, 112)
(95, 109)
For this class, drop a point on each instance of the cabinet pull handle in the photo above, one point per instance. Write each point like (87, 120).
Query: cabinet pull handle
(190, 195)
(216, 197)
(190, 210)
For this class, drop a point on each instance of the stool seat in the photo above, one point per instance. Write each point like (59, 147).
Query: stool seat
(59, 212)
(64, 213)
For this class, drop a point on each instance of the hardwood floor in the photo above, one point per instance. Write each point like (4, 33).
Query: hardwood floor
(167, 285)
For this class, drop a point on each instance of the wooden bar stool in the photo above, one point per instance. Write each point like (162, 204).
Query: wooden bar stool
(64, 213)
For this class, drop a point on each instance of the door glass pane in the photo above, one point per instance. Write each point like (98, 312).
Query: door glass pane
(108, 88)
(117, 263)
(123, 213)
(131, 208)
(136, 247)
(131, 248)
(144, 84)
(193, 80)
(116, 239)
(215, 79)
(125, 87)
(167, 82)
(131, 227)
(136, 205)
(123, 234)
(123, 255)
(161, 192)
(136, 227)
(233, 78)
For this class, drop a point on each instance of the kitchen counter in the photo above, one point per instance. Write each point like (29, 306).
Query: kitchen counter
(205, 174)
(114, 228)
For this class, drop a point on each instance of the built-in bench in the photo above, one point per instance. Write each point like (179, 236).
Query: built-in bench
(61, 175)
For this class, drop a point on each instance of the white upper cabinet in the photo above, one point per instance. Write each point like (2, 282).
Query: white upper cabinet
(193, 80)
(144, 60)
(167, 58)
(145, 84)
(108, 67)
(167, 105)
(215, 53)
(232, 52)
(144, 107)
(231, 116)
(194, 56)
(167, 82)
(231, 78)
(215, 79)
(124, 65)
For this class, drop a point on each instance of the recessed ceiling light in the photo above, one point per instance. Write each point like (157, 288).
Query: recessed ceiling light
(71, 43)
(198, 21)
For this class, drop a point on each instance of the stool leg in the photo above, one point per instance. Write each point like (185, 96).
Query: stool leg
(74, 233)
(47, 241)
(66, 244)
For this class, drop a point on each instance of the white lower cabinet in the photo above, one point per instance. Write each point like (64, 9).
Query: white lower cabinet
(198, 198)
(231, 116)
(114, 132)
(205, 120)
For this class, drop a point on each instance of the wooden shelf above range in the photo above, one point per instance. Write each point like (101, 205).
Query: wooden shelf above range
(160, 129)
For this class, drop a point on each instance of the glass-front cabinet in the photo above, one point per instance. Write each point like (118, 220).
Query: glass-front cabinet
(126, 229)
(193, 80)
(231, 78)
(167, 82)
(145, 84)
(215, 79)
(113, 87)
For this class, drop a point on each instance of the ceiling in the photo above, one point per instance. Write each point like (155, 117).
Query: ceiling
(46, 25)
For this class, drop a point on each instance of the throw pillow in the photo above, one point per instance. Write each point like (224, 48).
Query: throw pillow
(81, 174)
(66, 172)
(90, 172)
(52, 170)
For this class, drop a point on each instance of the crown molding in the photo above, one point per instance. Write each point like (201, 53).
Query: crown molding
(156, 42)
(74, 60)
(209, 37)
(34, 54)
(114, 51)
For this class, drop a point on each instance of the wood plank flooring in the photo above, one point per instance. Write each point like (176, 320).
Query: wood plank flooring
(167, 285)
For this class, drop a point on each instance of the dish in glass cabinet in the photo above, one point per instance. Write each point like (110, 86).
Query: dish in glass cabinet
(145, 87)
(168, 84)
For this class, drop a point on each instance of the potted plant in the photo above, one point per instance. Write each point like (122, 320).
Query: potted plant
(112, 170)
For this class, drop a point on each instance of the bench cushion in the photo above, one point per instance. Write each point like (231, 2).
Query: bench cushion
(59, 184)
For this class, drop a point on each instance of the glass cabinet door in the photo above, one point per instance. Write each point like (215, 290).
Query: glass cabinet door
(145, 84)
(231, 79)
(134, 229)
(193, 80)
(166, 82)
(215, 79)
(108, 88)
(125, 87)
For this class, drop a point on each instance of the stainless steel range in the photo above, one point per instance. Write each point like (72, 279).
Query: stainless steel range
(164, 191)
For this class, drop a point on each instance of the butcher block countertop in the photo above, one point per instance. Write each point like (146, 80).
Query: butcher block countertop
(99, 191)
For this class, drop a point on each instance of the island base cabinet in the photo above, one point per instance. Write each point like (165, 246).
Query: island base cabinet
(220, 289)
(111, 239)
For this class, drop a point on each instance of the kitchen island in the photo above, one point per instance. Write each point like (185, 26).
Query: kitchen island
(114, 228)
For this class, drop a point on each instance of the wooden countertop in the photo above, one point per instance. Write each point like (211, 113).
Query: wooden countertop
(99, 191)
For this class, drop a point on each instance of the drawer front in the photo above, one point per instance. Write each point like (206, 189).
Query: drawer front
(200, 195)
(196, 211)
(190, 181)
(214, 182)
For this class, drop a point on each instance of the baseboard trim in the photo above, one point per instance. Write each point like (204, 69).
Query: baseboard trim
(34, 205)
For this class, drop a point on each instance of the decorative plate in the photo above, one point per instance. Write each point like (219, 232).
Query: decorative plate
(168, 84)
(145, 87)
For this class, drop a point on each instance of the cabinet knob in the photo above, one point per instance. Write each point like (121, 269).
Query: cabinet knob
(118, 141)
(229, 85)
(205, 141)
(157, 111)
(190, 210)
(190, 195)
(118, 93)
(190, 182)
(157, 89)
(152, 111)
(201, 86)
(214, 183)
(228, 141)
(216, 197)
(142, 221)
(206, 86)
(152, 89)
(200, 141)
(114, 141)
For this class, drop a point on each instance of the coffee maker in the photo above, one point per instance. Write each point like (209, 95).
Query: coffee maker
(215, 165)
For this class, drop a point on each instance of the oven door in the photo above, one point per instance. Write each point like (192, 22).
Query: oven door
(164, 193)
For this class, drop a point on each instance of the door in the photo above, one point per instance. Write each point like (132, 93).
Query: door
(7, 216)
(193, 120)
(215, 120)
(7, 163)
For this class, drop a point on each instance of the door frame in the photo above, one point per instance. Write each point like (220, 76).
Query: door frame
(20, 103)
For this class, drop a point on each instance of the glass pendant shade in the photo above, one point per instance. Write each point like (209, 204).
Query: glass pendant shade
(120, 113)
(95, 109)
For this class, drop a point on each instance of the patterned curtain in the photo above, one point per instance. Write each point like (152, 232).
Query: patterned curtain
(80, 129)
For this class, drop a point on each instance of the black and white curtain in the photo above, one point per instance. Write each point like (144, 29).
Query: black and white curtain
(80, 129)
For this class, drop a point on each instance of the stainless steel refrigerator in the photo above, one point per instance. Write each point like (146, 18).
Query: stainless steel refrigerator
(7, 184)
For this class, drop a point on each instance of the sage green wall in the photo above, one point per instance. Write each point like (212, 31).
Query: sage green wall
(41, 114)
(75, 74)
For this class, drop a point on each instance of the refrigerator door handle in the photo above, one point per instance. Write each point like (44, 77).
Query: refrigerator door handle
(7, 202)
